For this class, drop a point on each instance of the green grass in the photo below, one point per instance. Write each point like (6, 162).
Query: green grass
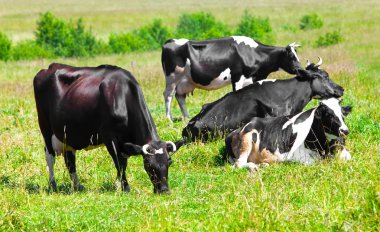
(206, 194)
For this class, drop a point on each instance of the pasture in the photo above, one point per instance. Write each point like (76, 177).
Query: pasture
(206, 194)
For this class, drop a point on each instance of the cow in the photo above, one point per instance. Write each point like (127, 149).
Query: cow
(305, 137)
(266, 98)
(212, 64)
(86, 107)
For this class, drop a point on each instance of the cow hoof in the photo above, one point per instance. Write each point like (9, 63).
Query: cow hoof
(79, 188)
(126, 188)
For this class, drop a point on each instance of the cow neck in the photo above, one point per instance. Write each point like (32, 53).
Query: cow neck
(273, 55)
(300, 91)
(317, 136)
(148, 131)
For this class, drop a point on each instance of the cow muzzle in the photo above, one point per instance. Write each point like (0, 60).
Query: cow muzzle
(161, 188)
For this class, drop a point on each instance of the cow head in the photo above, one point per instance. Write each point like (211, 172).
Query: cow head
(321, 85)
(290, 62)
(157, 159)
(332, 115)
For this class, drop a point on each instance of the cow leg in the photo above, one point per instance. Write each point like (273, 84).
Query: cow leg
(69, 157)
(120, 164)
(169, 93)
(50, 160)
(181, 99)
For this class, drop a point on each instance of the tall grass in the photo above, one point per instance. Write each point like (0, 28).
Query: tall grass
(206, 194)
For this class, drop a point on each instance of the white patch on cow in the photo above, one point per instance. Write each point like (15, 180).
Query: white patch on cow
(302, 155)
(222, 80)
(114, 147)
(266, 80)
(59, 147)
(291, 121)
(159, 151)
(345, 155)
(333, 104)
(243, 82)
(180, 41)
(294, 52)
(246, 40)
(330, 137)
(50, 160)
(302, 129)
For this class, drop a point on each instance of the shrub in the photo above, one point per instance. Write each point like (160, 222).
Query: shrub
(257, 28)
(64, 39)
(329, 38)
(29, 49)
(5, 47)
(147, 38)
(158, 32)
(311, 21)
(200, 26)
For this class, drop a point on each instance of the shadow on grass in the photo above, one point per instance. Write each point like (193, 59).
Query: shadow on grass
(108, 187)
(221, 158)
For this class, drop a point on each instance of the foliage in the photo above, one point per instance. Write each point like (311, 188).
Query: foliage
(328, 39)
(158, 32)
(257, 28)
(311, 21)
(5, 47)
(28, 50)
(65, 39)
(147, 38)
(200, 26)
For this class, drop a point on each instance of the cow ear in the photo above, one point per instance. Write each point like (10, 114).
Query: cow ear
(346, 110)
(131, 149)
(178, 144)
(305, 73)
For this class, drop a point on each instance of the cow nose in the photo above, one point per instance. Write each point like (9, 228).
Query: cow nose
(344, 131)
(163, 190)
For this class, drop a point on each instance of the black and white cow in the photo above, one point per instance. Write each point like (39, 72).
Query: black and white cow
(212, 64)
(266, 98)
(85, 107)
(305, 137)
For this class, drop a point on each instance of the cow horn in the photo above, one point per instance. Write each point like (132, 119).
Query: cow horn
(174, 146)
(319, 62)
(144, 149)
(308, 63)
(294, 45)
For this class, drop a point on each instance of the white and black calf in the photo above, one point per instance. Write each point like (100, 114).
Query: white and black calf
(266, 98)
(212, 64)
(82, 108)
(305, 137)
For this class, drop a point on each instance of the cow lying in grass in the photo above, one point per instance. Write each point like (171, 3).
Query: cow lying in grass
(305, 137)
(269, 98)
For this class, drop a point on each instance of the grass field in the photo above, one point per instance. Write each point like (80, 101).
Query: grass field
(206, 194)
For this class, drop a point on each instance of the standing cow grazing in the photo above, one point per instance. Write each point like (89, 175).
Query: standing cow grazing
(81, 108)
(212, 64)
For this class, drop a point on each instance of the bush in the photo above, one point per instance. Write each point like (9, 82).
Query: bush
(29, 49)
(5, 47)
(255, 27)
(158, 32)
(147, 38)
(65, 39)
(329, 38)
(200, 26)
(311, 21)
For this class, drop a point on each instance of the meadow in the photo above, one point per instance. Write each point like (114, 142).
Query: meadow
(206, 193)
